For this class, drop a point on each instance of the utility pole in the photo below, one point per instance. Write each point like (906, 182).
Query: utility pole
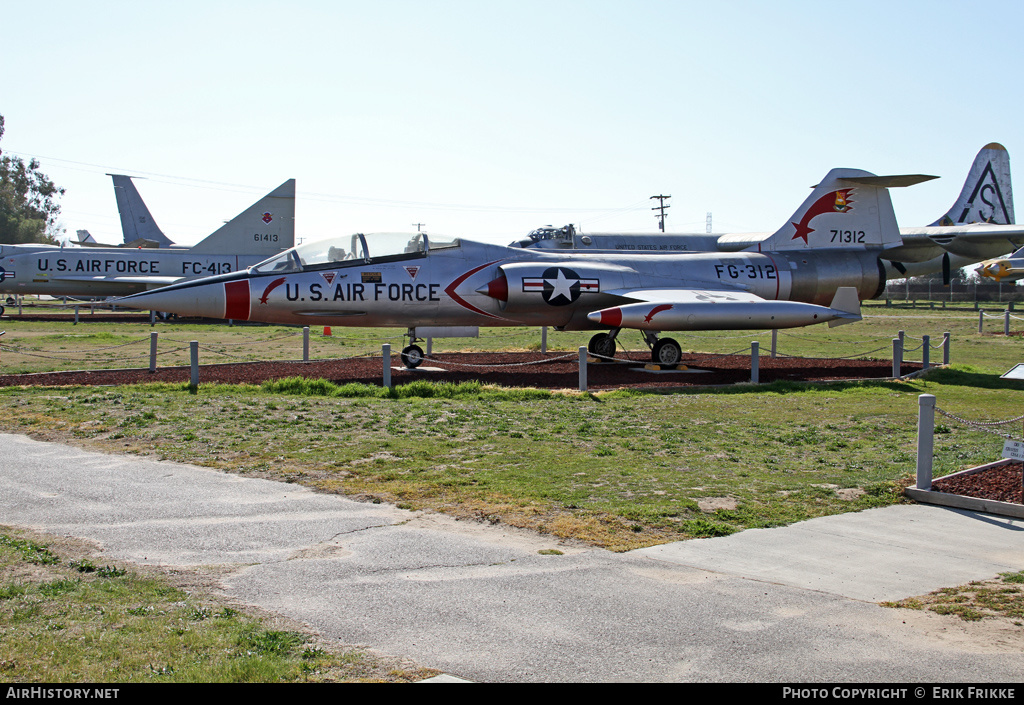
(418, 226)
(708, 226)
(661, 210)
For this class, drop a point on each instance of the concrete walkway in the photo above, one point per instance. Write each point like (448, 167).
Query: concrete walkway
(795, 604)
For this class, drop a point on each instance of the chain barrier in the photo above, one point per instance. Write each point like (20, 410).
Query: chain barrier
(845, 357)
(507, 364)
(4, 348)
(985, 426)
(244, 342)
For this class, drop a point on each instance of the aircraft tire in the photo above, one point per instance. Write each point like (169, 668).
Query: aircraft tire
(412, 356)
(1, 310)
(602, 346)
(667, 353)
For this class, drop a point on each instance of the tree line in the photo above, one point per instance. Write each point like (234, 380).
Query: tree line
(28, 201)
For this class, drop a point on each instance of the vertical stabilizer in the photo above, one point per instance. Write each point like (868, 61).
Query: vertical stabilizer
(987, 196)
(265, 228)
(849, 209)
(136, 221)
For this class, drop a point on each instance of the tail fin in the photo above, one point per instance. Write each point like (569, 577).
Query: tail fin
(848, 304)
(987, 196)
(849, 209)
(85, 236)
(267, 227)
(136, 221)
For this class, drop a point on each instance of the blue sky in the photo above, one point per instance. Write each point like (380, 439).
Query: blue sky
(485, 119)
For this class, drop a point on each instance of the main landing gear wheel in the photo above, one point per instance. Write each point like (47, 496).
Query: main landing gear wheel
(602, 346)
(667, 353)
(412, 356)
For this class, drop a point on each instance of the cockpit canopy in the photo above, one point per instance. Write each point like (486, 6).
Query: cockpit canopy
(357, 249)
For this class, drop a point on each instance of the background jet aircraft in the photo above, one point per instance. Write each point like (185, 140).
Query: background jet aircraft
(814, 269)
(979, 225)
(1009, 268)
(264, 229)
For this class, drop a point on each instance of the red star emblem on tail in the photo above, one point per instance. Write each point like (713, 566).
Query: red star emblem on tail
(832, 202)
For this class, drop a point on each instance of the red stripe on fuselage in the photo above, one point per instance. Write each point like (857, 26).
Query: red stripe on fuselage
(236, 300)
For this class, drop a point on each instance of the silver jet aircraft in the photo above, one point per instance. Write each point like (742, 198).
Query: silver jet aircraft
(264, 229)
(979, 225)
(814, 269)
(1009, 268)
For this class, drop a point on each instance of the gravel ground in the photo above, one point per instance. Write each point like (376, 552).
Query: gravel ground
(1002, 484)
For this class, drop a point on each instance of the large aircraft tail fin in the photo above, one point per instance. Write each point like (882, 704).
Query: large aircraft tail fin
(987, 196)
(849, 209)
(267, 227)
(136, 221)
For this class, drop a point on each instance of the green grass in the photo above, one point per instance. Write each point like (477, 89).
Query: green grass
(1002, 597)
(618, 469)
(63, 619)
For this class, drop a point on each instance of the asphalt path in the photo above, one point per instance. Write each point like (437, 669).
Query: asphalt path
(794, 605)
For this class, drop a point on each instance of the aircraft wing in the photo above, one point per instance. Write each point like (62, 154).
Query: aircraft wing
(721, 309)
(977, 240)
(101, 279)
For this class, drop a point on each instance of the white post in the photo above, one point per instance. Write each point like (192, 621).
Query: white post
(152, 351)
(775, 341)
(305, 344)
(583, 368)
(897, 357)
(76, 314)
(386, 350)
(1006, 322)
(925, 351)
(981, 318)
(925, 440)
(945, 348)
(194, 355)
(754, 361)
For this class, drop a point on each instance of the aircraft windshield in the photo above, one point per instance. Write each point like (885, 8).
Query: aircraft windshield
(355, 249)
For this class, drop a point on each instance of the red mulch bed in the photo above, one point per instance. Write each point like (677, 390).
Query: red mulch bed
(1002, 484)
(545, 371)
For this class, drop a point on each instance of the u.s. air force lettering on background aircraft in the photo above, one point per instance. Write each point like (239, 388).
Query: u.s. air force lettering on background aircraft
(94, 265)
(799, 276)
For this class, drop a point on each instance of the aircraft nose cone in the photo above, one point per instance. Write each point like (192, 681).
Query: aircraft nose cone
(213, 300)
(606, 317)
(496, 288)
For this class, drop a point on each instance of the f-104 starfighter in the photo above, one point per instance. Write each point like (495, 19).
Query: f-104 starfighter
(815, 269)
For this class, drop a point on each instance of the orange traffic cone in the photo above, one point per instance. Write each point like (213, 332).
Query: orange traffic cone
(327, 330)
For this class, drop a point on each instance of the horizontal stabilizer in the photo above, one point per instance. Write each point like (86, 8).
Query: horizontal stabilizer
(890, 181)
